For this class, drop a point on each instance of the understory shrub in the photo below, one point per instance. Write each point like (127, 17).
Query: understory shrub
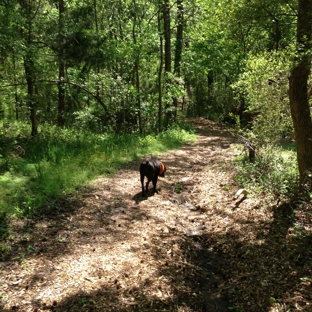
(274, 172)
(264, 87)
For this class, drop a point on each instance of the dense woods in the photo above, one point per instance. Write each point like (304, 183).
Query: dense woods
(131, 65)
(136, 67)
(139, 67)
(88, 88)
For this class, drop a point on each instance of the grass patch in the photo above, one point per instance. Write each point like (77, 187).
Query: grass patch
(41, 170)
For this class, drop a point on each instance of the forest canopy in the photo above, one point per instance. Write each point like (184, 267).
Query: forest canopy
(116, 65)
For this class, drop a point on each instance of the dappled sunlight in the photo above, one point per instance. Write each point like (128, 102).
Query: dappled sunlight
(194, 245)
(8, 181)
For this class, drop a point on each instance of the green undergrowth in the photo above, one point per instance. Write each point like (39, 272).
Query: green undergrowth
(39, 171)
(274, 172)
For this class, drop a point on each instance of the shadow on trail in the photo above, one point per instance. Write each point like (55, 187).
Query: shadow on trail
(138, 198)
(53, 230)
(40, 232)
(195, 276)
(207, 272)
(269, 272)
(254, 267)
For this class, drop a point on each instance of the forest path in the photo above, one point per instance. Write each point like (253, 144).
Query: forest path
(186, 248)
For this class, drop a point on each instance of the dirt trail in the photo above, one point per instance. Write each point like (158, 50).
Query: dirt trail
(112, 250)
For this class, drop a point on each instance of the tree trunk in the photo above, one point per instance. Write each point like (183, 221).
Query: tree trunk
(61, 88)
(161, 61)
(178, 49)
(210, 78)
(16, 96)
(167, 35)
(137, 66)
(167, 56)
(298, 90)
(29, 66)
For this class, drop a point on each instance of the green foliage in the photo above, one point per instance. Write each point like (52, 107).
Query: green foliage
(111, 51)
(59, 161)
(264, 87)
(236, 309)
(4, 226)
(112, 56)
(178, 188)
(235, 292)
(274, 172)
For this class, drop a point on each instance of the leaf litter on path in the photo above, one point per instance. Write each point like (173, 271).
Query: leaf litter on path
(194, 246)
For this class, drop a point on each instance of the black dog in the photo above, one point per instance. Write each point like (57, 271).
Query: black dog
(152, 169)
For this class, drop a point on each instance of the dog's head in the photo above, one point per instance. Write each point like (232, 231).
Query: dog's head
(162, 169)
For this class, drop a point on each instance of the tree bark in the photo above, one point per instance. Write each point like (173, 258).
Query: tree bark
(61, 89)
(16, 96)
(167, 56)
(137, 66)
(298, 90)
(167, 35)
(161, 61)
(178, 48)
(210, 78)
(29, 66)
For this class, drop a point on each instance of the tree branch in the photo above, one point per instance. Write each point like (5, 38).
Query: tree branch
(94, 95)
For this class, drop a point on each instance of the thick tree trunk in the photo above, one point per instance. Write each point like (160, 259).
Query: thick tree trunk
(298, 90)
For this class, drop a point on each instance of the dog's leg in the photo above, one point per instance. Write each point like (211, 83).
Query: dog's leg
(155, 178)
(142, 183)
(147, 183)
